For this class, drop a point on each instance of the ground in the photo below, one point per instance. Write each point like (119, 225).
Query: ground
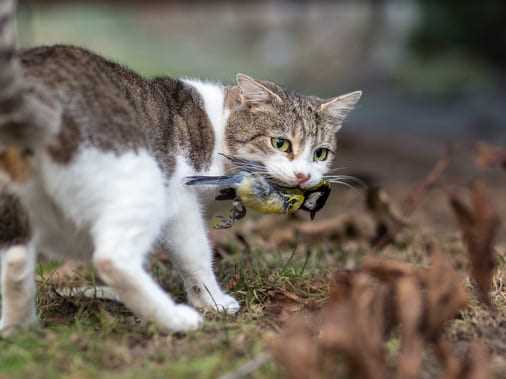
(276, 270)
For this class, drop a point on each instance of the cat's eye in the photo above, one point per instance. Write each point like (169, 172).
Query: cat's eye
(281, 144)
(321, 154)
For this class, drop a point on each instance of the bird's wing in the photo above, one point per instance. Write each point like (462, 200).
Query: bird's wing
(219, 181)
(245, 164)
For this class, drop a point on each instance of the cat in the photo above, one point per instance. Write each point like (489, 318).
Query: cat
(96, 156)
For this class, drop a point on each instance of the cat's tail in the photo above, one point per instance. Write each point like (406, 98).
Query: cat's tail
(29, 115)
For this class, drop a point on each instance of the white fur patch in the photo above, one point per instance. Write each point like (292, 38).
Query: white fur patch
(213, 95)
(285, 170)
(66, 201)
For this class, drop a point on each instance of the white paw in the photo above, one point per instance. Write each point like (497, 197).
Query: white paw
(184, 318)
(227, 304)
(8, 329)
(220, 302)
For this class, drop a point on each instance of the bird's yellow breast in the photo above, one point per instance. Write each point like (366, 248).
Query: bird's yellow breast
(276, 202)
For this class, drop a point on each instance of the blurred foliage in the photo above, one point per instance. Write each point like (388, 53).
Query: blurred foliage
(474, 28)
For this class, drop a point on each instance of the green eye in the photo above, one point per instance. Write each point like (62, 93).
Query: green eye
(321, 154)
(281, 144)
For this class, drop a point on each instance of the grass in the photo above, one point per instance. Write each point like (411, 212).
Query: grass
(91, 338)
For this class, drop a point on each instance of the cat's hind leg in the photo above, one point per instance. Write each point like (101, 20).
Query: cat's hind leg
(141, 294)
(130, 219)
(191, 252)
(18, 287)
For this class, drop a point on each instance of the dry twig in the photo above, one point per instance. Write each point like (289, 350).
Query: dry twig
(488, 156)
(479, 225)
(415, 197)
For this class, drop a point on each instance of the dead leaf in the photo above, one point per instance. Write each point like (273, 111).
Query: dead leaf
(415, 197)
(410, 315)
(489, 156)
(355, 327)
(387, 270)
(283, 304)
(446, 294)
(340, 285)
(479, 225)
(295, 349)
(475, 364)
(389, 221)
(69, 274)
(363, 306)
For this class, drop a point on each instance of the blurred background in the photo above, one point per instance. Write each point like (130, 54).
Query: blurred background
(433, 72)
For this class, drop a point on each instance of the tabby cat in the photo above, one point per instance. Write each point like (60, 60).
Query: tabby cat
(97, 156)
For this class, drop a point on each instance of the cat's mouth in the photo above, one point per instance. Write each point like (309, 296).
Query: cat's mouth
(236, 163)
(283, 184)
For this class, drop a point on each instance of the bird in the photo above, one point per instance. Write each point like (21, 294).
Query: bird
(254, 190)
(250, 188)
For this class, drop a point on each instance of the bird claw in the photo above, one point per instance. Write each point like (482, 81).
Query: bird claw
(221, 222)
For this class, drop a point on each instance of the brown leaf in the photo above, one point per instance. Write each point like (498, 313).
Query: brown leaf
(328, 229)
(479, 225)
(446, 294)
(488, 156)
(387, 270)
(283, 304)
(286, 234)
(416, 196)
(389, 221)
(69, 274)
(295, 349)
(410, 316)
(233, 281)
(356, 321)
(356, 327)
(475, 364)
(340, 285)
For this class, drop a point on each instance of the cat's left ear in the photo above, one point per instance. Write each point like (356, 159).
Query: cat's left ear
(255, 94)
(338, 108)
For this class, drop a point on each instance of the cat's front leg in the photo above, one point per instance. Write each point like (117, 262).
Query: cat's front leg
(191, 252)
(18, 287)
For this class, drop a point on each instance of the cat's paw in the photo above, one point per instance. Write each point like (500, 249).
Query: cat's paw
(8, 329)
(184, 318)
(227, 304)
(220, 302)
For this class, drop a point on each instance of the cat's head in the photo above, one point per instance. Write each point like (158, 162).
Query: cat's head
(293, 136)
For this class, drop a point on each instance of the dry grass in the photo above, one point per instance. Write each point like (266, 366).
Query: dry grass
(283, 272)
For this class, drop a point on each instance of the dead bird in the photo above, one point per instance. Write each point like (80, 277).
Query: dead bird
(250, 188)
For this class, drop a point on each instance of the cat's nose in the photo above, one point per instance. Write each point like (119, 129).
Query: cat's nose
(302, 178)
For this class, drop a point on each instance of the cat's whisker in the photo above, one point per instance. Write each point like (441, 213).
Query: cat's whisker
(353, 179)
(348, 185)
(244, 164)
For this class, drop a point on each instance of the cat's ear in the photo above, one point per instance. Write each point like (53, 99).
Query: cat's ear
(254, 93)
(338, 108)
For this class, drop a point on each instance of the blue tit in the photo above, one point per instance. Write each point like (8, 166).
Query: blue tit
(250, 188)
(254, 191)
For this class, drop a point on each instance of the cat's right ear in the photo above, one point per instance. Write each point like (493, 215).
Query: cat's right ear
(254, 94)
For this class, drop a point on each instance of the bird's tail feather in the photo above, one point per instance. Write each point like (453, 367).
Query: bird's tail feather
(221, 181)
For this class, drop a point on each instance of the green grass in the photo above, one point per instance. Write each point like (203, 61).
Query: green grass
(92, 339)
